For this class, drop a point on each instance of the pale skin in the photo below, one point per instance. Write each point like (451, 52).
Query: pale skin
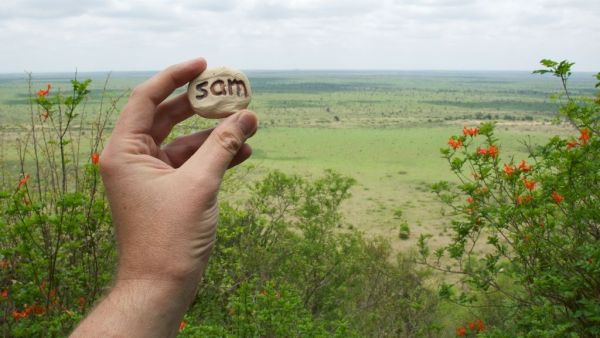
(163, 200)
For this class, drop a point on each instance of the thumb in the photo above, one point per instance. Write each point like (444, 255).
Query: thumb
(212, 159)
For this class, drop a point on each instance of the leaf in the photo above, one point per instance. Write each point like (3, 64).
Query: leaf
(541, 71)
(549, 63)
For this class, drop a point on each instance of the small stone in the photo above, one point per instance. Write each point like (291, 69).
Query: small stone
(219, 92)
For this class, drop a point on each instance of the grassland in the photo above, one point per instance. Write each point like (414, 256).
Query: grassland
(384, 129)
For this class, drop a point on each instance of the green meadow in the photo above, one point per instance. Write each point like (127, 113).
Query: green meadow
(384, 129)
(393, 168)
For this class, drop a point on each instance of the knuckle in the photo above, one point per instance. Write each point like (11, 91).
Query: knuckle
(228, 140)
(107, 164)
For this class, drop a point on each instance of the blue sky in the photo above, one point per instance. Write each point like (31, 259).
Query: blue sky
(103, 35)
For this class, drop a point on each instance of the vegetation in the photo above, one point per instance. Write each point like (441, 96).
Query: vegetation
(539, 219)
(56, 249)
(308, 251)
(280, 268)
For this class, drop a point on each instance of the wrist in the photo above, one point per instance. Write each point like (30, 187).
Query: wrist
(139, 308)
(175, 268)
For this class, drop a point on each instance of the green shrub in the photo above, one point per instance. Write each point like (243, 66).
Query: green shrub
(56, 248)
(404, 230)
(285, 241)
(537, 219)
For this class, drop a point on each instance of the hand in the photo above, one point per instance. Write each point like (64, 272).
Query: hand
(164, 199)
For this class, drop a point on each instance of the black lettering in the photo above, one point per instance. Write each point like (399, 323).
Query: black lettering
(218, 88)
(200, 88)
(239, 85)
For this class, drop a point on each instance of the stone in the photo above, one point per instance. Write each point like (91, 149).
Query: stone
(219, 92)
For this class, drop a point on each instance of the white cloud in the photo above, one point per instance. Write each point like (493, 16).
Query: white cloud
(57, 35)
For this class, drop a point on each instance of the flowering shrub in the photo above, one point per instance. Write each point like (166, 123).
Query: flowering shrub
(537, 220)
(56, 251)
(471, 329)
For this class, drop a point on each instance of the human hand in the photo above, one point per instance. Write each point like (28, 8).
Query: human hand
(164, 198)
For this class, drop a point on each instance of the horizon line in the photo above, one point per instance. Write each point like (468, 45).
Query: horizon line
(293, 70)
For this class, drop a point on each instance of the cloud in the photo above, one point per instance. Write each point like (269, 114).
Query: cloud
(400, 34)
(278, 10)
(36, 9)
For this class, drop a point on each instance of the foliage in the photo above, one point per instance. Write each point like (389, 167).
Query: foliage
(282, 268)
(404, 230)
(56, 250)
(537, 219)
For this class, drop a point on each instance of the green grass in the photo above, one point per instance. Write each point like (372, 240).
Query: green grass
(393, 169)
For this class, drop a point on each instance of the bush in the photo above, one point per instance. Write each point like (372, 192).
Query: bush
(537, 219)
(56, 248)
(404, 230)
(285, 242)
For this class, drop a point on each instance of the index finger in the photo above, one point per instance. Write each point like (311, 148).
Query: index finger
(138, 114)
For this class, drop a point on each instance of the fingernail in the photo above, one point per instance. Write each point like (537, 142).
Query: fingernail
(247, 123)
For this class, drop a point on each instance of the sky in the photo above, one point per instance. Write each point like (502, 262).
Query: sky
(121, 35)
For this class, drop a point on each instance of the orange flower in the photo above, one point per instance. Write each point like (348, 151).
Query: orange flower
(493, 151)
(461, 331)
(529, 184)
(23, 181)
(585, 135)
(482, 190)
(470, 200)
(572, 144)
(182, 325)
(37, 309)
(471, 326)
(19, 314)
(557, 197)
(524, 167)
(4, 294)
(454, 143)
(44, 92)
(95, 158)
(480, 325)
(470, 131)
(524, 199)
(508, 169)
